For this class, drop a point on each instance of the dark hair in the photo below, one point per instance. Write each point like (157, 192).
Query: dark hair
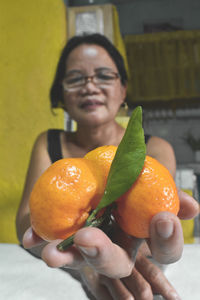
(56, 92)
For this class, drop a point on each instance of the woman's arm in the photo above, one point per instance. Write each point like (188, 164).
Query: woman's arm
(39, 162)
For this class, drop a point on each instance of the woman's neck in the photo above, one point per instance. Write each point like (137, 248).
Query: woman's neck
(89, 138)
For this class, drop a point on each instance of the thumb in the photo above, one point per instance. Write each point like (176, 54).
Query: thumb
(166, 238)
(102, 254)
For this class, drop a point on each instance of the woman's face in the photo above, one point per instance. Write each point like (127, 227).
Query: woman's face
(91, 103)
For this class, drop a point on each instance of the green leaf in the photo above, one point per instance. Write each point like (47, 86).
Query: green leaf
(128, 161)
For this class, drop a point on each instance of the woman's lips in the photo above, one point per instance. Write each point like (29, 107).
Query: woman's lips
(91, 104)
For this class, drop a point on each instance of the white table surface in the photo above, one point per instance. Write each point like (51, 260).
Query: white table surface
(24, 277)
(185, 274)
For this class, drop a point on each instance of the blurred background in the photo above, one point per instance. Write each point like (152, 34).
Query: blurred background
(160, 42)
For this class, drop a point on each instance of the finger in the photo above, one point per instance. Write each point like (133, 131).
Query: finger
(189, 207)
(153, 275)
(102, 254)
(129, 243)
(166, 238)
(117, 289)
(92, 282)
(56, 259)
(138, 286)
(31, 239)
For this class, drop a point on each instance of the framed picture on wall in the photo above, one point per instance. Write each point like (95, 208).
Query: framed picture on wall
(90, 19)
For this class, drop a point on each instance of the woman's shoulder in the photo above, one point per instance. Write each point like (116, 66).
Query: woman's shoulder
(163, 151)
(158, 144)
(41, 141)
(39, 159)
(156, 140)
(46, 143)
(42, 136)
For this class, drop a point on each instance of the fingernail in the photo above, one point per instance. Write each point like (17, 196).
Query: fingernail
(27, 237)
(89, 251)
(165, 228)
(28, 233)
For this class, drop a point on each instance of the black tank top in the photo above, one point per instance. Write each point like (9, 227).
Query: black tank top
(54, 144)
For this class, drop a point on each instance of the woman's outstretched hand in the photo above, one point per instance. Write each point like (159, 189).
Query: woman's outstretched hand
(120, 268)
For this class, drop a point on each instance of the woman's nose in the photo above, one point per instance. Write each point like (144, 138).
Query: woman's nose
(90, 86)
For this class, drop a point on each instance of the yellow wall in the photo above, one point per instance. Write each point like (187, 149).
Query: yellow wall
(32, 35)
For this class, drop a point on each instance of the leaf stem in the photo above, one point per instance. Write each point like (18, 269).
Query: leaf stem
(91, 221)
(64, 245)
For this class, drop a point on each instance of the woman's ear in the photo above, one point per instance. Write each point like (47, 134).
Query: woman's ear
(123, 110)
(125, 107)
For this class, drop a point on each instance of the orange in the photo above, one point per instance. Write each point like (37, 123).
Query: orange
(103, 157)
(153, 191)
(67, 191)
(62, 198)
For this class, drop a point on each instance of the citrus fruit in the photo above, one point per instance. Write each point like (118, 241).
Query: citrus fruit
(153, 191)
(67, 191)
(103, 157)
(62, 198)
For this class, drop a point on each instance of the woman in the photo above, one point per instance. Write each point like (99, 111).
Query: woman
(90, 84)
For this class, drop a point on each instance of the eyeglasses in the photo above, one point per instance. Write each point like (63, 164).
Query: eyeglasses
(76, 81)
